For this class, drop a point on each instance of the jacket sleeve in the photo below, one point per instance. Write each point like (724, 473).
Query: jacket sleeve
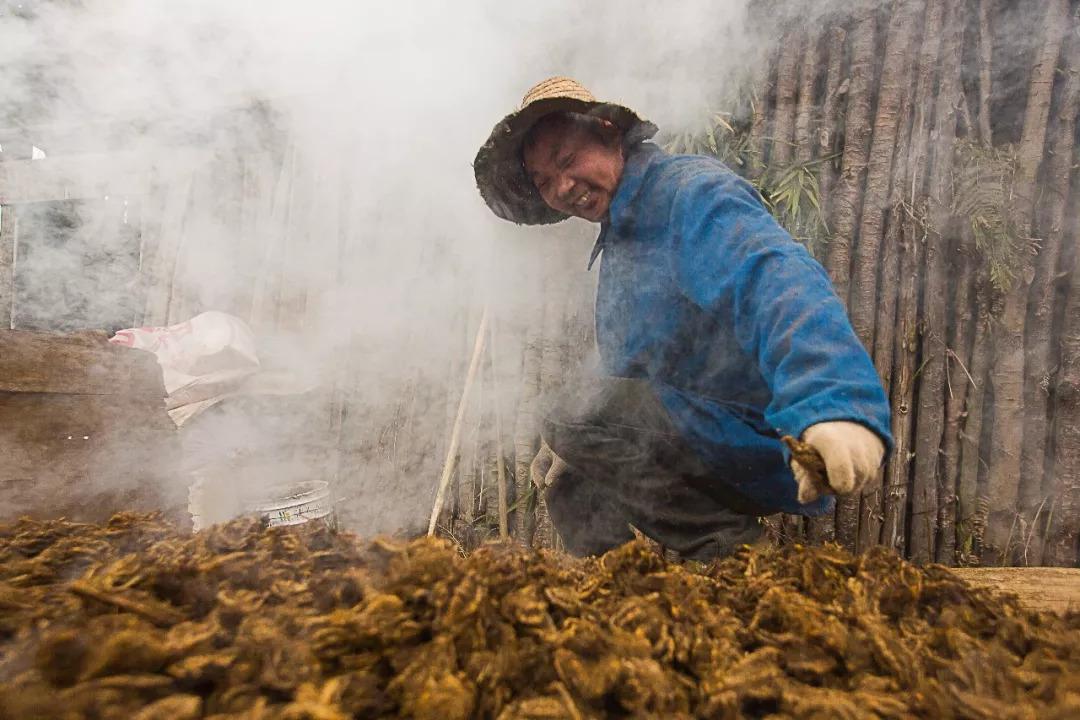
(734, 260)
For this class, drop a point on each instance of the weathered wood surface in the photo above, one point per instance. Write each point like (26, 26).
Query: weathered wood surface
(89, 176)
(77, 363)
(1039, 588)
(83, 429)
(86, 456)
(8, 238)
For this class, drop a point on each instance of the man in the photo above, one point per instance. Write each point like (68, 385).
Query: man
(718, 334)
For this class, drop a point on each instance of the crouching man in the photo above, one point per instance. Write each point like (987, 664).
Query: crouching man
(717, 334)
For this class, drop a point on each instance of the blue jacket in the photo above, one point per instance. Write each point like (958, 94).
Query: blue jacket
(737, 328)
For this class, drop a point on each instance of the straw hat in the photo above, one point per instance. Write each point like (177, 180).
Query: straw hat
(500, 175)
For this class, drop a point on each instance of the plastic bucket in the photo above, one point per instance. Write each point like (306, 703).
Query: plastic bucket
(294, 504)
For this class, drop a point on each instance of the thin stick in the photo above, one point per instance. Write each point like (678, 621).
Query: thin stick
(159, 614)
(455, 434)
(500, 468)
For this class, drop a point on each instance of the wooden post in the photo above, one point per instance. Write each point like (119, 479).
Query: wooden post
(500, 467)
(9, 236)
(455, 433)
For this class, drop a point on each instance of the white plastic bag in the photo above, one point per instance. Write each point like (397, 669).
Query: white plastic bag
(202, 360)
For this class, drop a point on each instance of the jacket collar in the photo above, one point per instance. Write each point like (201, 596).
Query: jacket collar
(638, 161)
(620, 214)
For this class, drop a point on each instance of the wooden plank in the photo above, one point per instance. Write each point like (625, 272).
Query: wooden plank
(256, 197)
(161, 266)
(89, 176)
(9, 236)
(266, 295)
(1038, 588)
(184, 284)
(78, 363)
(86, 456)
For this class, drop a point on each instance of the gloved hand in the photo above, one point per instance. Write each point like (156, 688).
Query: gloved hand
(546, 467)
(852, 455)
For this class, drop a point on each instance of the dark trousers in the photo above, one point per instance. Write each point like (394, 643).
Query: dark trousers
(629, 466)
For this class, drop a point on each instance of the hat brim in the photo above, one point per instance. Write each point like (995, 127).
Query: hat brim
(500, 175)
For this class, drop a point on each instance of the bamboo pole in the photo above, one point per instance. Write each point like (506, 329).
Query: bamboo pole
(500, 467)
(759, 122)
(1007, 378)
(822, 529)
(455, 433)
(847, 200)
(986, 44)
(858, 127)
(898, 470)
(972, 450)
(895, 78)
(804, 112)
(958, 385)
(1038, 345)
(787, 84)
(525, 431)
(1063, 529)
(835, 87)
(930, 421)
(890, 123)
(872, 512)
(8, 239)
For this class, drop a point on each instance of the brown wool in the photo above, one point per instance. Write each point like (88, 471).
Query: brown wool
(135, 619)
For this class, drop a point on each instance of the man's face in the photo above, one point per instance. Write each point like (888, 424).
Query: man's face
(575, 171)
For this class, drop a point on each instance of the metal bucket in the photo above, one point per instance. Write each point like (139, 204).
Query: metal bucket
(294, 504)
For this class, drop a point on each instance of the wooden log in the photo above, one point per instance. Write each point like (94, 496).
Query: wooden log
(930, 421)
(9, 237)
(760, 88)
(893, 92)
(83, 429)
(847, 200)
(1055, 590)
(164, 253)
(804, 110)
(1038, 345)
(986, 45)
(500, 458)
(459, 419)
(266, 295)
(847, 197)
(1007, 378)
(1062, 545)
(89, 175)
(895, 79)
(526, 431)
(959, 382)
(972, 450)
(256, 196)
(80, 363)
(787, 85)
(898, 470)
(553, 362)
(872, 510)
(835, 89)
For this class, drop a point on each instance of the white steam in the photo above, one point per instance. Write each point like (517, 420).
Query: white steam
(383, 106)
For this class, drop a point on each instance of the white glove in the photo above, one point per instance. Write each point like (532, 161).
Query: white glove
(546, 467)
(852, 455)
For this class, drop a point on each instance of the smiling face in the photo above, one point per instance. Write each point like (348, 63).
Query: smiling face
(575, 164)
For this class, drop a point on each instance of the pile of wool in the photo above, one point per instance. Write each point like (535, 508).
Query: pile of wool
(135, 619)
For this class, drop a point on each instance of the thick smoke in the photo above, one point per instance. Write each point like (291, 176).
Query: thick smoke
(383, 104)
